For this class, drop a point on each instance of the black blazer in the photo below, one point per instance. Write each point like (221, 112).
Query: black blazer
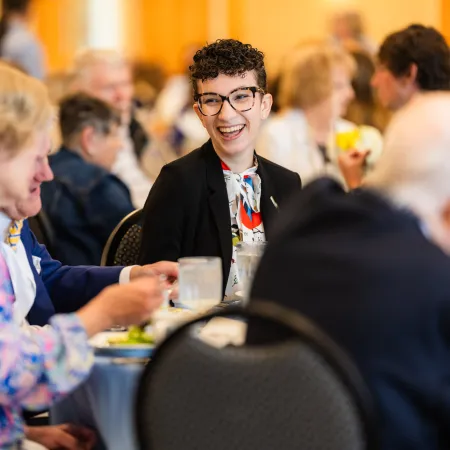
(187, 211)
(368, 275)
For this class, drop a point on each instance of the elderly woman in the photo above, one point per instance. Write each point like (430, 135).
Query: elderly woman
(39, 366)
(309, 134)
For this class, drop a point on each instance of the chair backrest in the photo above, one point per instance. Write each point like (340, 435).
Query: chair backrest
(122, 247)
(41, 227)
(303, 393)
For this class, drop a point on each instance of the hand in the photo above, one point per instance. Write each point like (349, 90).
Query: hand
(128, 304)
(167, 268)
(352, 164)
(62, 437)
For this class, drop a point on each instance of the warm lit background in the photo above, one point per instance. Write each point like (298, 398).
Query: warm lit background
(159, 30)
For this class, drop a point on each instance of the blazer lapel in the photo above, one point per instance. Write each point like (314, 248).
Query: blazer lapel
(269, 211)
(218, 202)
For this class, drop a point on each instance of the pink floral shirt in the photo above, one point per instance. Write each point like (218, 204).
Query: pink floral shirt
(38, 368)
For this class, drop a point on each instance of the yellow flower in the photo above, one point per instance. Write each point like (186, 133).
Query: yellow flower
(347, 140)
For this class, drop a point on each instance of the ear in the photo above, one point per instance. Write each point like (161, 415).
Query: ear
(446, 215)
(412, 75)
(88, 140)
(266, 105)
(199, 114)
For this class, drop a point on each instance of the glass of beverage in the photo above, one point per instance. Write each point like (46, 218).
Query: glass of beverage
(247, 259)
(200, 283)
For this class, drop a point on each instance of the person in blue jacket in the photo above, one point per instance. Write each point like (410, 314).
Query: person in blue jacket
(42, 285)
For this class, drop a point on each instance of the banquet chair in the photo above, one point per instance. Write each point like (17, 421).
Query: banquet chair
(42, 228)
(300, 393)
(122, 247)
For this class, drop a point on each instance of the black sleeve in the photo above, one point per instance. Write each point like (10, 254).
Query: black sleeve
(443, 393)
(163, 219)
(299, 181)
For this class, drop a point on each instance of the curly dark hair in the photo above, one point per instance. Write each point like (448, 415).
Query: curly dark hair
(228, 57)
(423, 46)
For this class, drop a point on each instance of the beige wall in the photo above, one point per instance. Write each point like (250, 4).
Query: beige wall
(160, 29)
(274, 26)
(61, 26)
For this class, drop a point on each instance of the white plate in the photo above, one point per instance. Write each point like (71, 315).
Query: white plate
(175, 314)
(102, 347)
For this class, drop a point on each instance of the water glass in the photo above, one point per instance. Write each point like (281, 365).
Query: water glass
(200, 283)
(247, 260)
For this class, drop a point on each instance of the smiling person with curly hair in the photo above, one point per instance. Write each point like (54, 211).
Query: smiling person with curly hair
(223, 192)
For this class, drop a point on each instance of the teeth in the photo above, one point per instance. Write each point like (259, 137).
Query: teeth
(231, 129)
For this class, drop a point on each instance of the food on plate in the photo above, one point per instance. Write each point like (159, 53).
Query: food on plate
(135, 335)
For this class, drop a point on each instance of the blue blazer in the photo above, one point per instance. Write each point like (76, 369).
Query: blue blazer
(61, 289)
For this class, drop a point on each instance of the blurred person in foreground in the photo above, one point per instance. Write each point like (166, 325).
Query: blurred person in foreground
(371, 268)
(39, 366)
(309, 134)
(411, 61)
(106, 74)
(222, 193)
(18, 45)
(85, 201)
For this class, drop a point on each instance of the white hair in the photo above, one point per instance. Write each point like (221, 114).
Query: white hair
(414, 169)
(89, 58)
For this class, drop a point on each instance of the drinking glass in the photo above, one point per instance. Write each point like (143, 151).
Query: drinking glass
(247, 260)
(200, 283)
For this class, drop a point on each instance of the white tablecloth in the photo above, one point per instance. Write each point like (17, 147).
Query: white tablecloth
(104, 402)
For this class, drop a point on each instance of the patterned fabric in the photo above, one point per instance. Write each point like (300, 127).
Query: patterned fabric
(244, 198)
(13, 237)
(36, 368)
(127, 253)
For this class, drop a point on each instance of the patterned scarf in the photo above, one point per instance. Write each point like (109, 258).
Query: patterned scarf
(244, 199)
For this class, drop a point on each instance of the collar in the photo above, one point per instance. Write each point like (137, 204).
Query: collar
(5, 223)
(245, 173)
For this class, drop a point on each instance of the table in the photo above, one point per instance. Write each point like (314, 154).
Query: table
(105, 401)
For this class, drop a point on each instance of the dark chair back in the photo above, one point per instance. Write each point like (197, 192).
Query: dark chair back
(41, 227)
(303, 393)
(122, 247)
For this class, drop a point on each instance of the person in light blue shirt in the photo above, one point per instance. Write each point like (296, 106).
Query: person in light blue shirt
(18, 45)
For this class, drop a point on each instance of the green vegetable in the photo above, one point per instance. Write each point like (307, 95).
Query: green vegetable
(136, 335)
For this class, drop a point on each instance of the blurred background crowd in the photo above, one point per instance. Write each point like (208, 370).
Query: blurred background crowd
(122, 76)
(135, 55)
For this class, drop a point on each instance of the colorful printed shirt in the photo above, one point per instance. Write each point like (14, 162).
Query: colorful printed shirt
(244, 198)
(36, 368)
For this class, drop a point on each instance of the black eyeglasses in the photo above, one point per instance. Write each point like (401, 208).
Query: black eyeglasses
(241, 99)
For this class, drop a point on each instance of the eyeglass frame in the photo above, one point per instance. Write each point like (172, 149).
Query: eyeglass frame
(253, 89)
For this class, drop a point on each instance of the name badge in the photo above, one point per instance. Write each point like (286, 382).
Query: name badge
(37, 264)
